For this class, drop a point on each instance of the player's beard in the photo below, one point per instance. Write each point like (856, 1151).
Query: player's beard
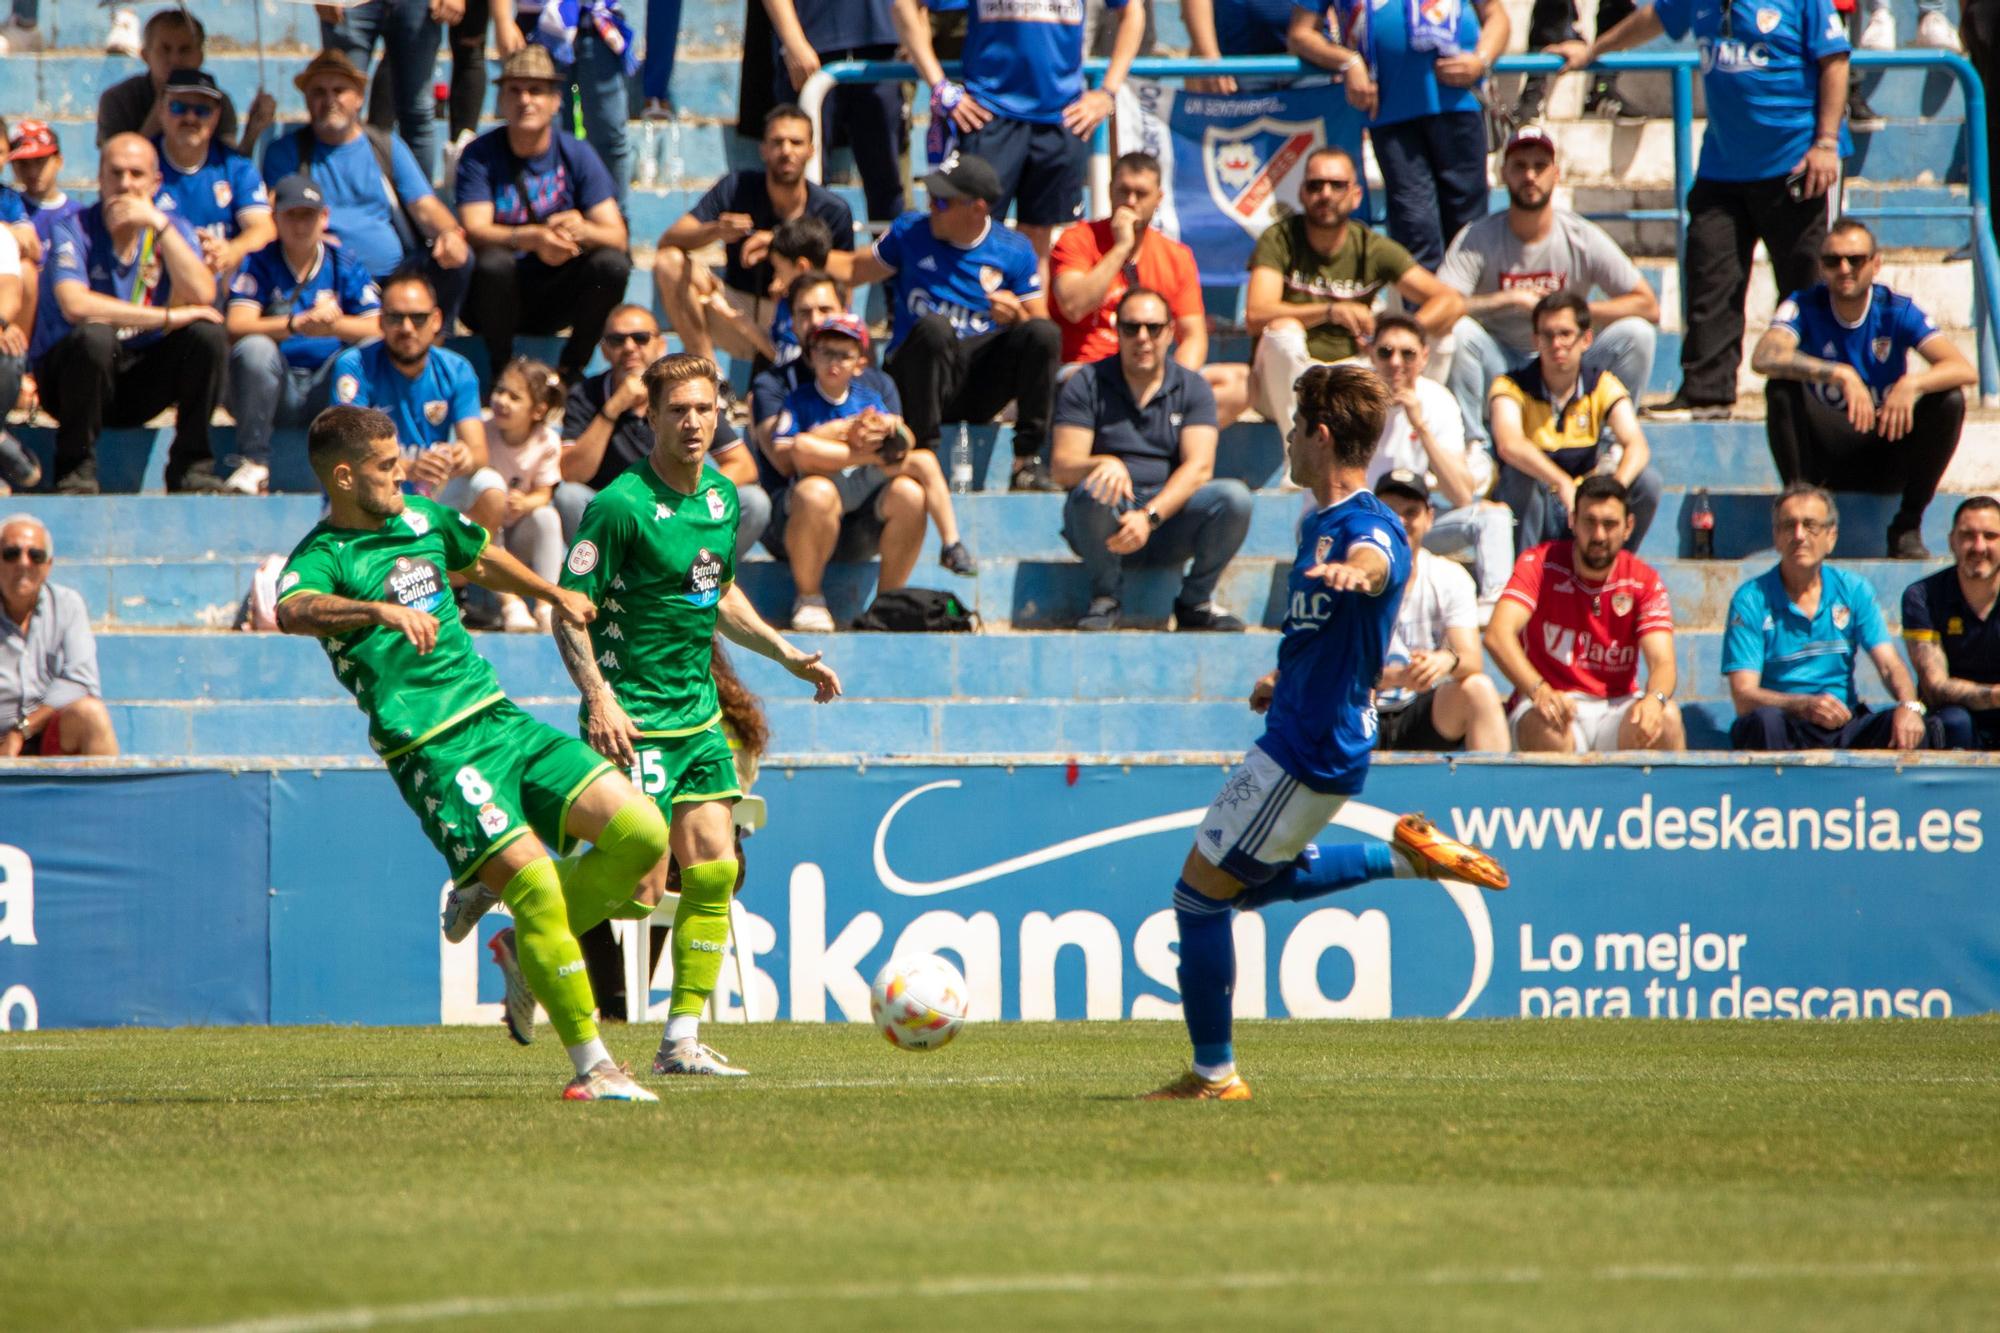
(1596, 558)
(388, 507)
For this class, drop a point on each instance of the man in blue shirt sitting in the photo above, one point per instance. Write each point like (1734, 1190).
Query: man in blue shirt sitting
(1845, 409)
(971, 327)
(1952, 635)
(1794, 632)
(126, 326)
(542, 215)
(295, 305)
(1135, 440)
(214, 188)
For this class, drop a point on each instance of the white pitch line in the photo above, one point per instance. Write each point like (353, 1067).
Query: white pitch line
(1067, 1284)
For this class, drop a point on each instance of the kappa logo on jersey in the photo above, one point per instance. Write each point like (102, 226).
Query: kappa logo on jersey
(717, 507)
(582, 558)
(660, 511)
(415, 583)
(704, 582)
(492, 818)
(434, 411)
(1252, 168)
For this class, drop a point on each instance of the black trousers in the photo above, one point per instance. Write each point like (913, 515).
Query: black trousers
(1775, 729)
(943, 377)
(1979, 29)
(1812, 441)
(512, 295)
(91, 380)
(870, 119)
(1726, 219)
(1552, 21)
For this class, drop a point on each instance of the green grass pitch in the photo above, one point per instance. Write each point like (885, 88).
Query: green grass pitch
(1505, 1175)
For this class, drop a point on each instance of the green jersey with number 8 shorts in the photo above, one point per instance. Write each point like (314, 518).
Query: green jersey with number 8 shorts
(477, 771)
(656, 562)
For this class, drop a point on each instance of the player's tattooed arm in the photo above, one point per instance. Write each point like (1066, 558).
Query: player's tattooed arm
(323, 615)
(1778, 357)
(1939, 688)
(606, 727)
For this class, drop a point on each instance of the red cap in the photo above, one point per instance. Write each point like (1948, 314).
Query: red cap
(32, 139)
(1527, 135)
(845, 325)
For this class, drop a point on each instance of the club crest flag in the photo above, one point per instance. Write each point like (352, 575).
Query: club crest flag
(1232, 165)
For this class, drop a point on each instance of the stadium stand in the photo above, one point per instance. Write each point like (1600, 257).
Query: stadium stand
(163, 576)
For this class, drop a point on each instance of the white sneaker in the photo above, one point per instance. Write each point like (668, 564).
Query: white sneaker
(463, 906)
(607, 1082)
(516, 618)
(123, 39)
(247, 479)
(690, 1056)
(1935, 33)
(1879, 33)
(812, 618)
(452, 152)
(520, 1000)
(17, 37)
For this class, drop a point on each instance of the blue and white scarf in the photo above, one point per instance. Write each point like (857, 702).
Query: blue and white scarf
(556, 29)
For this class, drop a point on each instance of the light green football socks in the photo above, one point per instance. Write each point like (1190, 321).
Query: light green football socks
(701, 933)
(550, 958)
(599, 884)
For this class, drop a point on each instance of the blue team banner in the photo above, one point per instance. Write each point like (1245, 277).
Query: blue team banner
(1707, 889)
(1231, 164)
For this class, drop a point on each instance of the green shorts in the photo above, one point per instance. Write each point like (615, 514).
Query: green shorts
(681, 770)
(494, 777)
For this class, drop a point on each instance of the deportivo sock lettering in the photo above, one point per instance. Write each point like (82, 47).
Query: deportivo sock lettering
(701, 931)
(550, 958)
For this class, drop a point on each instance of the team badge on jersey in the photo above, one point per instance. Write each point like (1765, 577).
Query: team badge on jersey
(416, 522)
(223, 194)
(1767, 19)
(1841, 616)
(346, 388)
(704, 581)
(716, 507)
(1322, 549)
(492, 818)
(289, 582)
(1954, 627)
(1881, 347)
(582, 558)
(434, 412)
(415, 583)
(990, 277)
(1621, 603)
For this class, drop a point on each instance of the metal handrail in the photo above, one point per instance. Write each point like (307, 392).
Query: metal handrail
(1680, 64)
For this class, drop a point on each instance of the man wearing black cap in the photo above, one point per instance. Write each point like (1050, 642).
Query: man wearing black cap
(292, 308)
(1432, 694)
(542, 214)
(971, 329)
(215, 189)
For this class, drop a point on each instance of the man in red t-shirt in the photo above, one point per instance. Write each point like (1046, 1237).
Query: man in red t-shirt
(1094, 264)
(1570, 629)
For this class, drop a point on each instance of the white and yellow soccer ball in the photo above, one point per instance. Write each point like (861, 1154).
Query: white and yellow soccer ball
(919, 1003)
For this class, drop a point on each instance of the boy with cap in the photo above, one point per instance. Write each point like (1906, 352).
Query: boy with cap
(296, 303)
(36, 153)
(214, 188)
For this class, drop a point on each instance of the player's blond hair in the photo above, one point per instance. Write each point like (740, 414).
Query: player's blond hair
(679, 368)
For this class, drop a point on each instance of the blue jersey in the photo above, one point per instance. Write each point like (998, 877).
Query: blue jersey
(1794, 653)
(1878, 347)
(1321, 724)
(1762, 79)
(214, 196)
(934, 277)
(46, 216)
(13, 206)
(1024, 58)
(1253, 27)
(784, 338)
(362, 211)
(426, 409)
(267, 282)
(80, 250)
(806, 407)
(1405, 78)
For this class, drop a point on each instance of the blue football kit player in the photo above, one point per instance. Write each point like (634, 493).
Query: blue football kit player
(1255, 846)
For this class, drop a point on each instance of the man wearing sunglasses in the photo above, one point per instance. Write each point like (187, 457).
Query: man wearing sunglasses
(1135, 443)
(49, 702)
(605, 430)
(215, 189)
(1845, 409)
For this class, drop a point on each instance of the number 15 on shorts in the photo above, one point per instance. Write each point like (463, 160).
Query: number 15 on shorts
(649, 773)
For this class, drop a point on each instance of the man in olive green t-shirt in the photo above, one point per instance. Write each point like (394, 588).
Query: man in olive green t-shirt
(1314, 277)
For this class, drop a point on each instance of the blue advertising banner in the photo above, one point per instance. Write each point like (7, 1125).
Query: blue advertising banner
(1705, 889)
(1231, 165)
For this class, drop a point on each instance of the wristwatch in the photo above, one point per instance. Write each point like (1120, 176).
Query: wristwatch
(1915, 706)
(22, 727)
(1661, 697)
(1153, 517)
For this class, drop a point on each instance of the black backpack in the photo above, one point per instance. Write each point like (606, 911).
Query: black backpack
(918, 611)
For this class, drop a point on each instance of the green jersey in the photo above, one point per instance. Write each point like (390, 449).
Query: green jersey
(409, 697)
(656, 563)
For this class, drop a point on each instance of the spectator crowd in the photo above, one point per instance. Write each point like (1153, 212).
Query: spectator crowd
(228, 261)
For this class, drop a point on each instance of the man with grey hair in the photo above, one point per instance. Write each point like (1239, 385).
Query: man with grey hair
(1793, 634)
(49, 693)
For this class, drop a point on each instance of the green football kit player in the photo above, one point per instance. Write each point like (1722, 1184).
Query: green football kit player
(653, 556)
(493, 787)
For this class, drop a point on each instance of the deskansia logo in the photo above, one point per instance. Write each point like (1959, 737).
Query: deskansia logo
(19, 1010)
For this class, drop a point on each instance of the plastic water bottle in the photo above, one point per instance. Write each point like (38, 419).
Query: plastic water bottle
(1702, 520)
(961, 460)
(675, 175)
(646, 173)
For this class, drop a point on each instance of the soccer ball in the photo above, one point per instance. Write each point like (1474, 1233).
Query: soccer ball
(919, 1003)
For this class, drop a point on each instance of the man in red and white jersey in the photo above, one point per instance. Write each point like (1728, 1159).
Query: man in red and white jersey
(1571, 628)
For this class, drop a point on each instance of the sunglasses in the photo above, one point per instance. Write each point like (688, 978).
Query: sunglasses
(1132, 328)
(35, 555)
(410, 317)
(1835, 262)
(1397, 353)
(639, 337)
(199, 110)
(1312, 186)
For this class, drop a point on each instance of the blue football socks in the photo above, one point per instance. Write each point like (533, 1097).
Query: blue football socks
(1207, 974)
(1318, 871)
